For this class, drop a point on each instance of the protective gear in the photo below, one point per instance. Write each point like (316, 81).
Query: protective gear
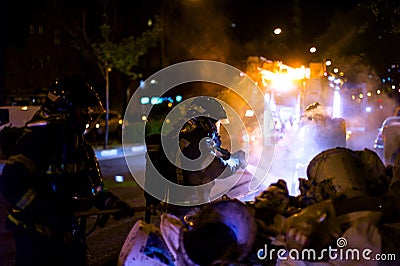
(69, 94)
(240, 157)
(52, 175)
(73, 101)
(312, 106)
(112, 202)
(207, 107)
(316, 113)
(201, 158)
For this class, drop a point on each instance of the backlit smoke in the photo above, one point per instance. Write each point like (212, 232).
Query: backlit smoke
(196, 30)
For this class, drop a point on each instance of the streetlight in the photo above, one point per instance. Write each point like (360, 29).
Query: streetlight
(277, 31)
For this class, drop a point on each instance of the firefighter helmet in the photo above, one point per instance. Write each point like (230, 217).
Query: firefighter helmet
(68, 95)
(208, 107)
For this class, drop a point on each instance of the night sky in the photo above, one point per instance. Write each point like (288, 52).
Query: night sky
(232, 30)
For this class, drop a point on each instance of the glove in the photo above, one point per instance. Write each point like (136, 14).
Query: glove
(125, 210)
(108, 201)
(241, 157)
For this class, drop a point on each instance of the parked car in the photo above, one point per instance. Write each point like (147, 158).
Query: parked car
(97, 128)
(16, 115)
(378, 142)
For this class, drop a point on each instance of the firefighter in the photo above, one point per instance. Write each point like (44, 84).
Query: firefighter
(198, 141)
(52, 175)
(327, 132)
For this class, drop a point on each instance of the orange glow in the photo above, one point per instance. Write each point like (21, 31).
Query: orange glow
(283, 79)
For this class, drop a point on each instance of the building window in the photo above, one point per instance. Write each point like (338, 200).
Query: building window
(40, 30)
(56, 37)
(31, 29)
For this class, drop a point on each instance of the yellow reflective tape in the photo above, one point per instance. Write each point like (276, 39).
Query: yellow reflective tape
(38, 227)
(26, 199)
(15, 221)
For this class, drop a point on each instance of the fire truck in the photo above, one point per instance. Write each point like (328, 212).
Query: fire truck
(289, 90)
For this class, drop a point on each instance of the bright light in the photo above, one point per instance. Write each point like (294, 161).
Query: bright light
(368, 109)
(378, 92)
(178, 98)
(284, 79)
(249, 113)
(119, 178)
(313, 49)
(337, 81)
(336, 104)
(155, 100)
(24, 108)
(277, 31)
(144, 100)
(353, 97)
(142, 84)
(335, 70)
(144, 118)
(393, 87)
(328, 62)
(369, 94)
(282, 83)
(348, 134)
(97, 125)
(361, 96)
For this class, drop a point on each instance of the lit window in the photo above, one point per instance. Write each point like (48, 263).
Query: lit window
(31, 29)
(56, 37)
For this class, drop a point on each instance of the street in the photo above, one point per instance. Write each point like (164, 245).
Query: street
(104, 244)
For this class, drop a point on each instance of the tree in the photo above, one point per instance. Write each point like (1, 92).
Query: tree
(123, 56)
(110, 52)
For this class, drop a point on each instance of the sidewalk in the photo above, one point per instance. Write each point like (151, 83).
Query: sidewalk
(118, 151)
